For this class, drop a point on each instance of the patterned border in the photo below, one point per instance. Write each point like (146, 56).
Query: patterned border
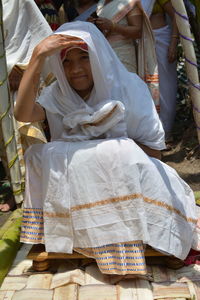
(109, 201)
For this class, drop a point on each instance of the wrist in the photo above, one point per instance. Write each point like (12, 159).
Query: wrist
(38, 54)
(37, 61)
(113, 28)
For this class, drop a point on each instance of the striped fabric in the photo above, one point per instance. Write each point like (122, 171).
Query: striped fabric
(32, 229)
(121, 258)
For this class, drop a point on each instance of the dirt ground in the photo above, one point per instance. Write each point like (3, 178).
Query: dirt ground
(184, 155)
(187, 168)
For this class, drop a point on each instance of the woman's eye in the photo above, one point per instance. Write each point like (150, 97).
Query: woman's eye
(66, 61)
(85, 57)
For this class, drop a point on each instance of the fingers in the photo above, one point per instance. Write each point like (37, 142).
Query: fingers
(56, 42)
(67, 37)
(65, 40)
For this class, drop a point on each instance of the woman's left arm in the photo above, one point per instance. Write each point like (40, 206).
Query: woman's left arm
(172, 51)
(132, 30)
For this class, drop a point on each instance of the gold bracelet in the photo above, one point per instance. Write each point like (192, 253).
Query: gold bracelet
(18, 70)
(113, 26)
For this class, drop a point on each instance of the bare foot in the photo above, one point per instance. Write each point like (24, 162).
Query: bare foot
(9, 205)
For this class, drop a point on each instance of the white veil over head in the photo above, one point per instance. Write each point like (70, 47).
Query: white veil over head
(112, 82)
(106, 67)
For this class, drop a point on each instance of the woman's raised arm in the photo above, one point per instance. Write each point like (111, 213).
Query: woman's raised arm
(26, 109)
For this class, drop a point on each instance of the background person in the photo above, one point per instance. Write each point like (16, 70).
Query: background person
(81, 10)
(166, 34)
(129, 33)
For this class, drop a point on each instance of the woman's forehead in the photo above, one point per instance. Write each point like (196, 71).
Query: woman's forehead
(75, 52)
(81, 46)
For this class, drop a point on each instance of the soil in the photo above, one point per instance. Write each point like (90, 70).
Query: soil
(186, 164)
(184, 155)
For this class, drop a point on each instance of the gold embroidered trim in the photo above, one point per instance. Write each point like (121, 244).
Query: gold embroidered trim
(56, 215)
(32, 209)
(122, 13)
(170, 208)
(119, 199)
(32, 233)
(32, 241)
(29, 212)
(105, 202)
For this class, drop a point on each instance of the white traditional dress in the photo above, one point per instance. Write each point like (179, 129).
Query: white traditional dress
(92, 188)
(167, 72)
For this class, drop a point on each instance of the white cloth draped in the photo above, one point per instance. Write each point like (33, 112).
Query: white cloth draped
(106, 119)
(167, 71)
(24, 27)
(167, 78)
(99, 191)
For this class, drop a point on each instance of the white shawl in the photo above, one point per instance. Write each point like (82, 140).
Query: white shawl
(112, 82)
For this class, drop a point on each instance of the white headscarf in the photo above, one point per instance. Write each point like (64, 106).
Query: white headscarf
(112, 82)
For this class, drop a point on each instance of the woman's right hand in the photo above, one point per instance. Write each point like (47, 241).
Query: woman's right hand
(53, 44)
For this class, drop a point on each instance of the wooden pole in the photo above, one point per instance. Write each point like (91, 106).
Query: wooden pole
(190, 58)
(6, 122)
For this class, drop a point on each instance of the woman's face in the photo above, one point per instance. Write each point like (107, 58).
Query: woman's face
(78, 71)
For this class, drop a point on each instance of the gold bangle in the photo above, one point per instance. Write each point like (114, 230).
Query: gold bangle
(18, 70)
(113, 26)
(175, 36)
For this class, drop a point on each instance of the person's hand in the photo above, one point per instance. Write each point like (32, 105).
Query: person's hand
(14, 78)
(91, 20)
(105, 25)
(172, 50)
(54, 43)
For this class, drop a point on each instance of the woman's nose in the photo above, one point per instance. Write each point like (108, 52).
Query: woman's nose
(76, 67)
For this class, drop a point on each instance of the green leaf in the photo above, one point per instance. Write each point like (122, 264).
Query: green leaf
(9, 243)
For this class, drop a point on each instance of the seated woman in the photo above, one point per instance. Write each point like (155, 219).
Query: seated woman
(98, 187)
(128, 31)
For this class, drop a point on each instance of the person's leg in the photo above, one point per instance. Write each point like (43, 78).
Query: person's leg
(167, 80)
